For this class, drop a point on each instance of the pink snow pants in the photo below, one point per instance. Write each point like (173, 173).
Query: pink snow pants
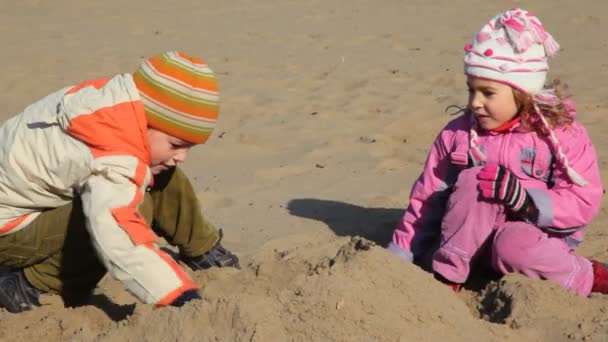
(470, 225)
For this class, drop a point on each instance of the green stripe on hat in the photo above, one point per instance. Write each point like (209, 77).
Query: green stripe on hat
(180, 95)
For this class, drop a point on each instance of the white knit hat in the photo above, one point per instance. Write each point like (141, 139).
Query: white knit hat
(512, 48)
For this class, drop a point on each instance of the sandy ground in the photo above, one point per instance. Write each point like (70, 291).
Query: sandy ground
(328, 110)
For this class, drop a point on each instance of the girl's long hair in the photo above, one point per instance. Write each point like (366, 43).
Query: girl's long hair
(558, 114)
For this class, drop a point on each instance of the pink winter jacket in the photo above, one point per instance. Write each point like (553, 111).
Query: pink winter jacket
(564, 208)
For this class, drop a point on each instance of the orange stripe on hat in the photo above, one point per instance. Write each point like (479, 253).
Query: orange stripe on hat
(172, 102)
(168, 71)
(180, 95)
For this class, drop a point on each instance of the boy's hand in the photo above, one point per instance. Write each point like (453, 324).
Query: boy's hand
(498, 183)
(186, 297)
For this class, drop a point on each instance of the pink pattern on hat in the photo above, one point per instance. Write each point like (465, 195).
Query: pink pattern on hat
(482, 37)
(519, 38)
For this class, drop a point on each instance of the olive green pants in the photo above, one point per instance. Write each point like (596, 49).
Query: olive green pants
(56, 252)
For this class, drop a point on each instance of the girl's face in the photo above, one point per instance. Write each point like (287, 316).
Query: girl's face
(166, 150)
(492, 103)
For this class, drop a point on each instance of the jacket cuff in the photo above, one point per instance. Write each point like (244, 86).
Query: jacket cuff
(542, 201)
(173, 295)
(400, 252)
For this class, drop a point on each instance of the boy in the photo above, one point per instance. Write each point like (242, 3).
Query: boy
(88, 170)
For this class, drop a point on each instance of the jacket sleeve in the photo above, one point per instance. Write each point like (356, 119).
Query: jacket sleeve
(565, 205)
(122, 237)
(422, 219)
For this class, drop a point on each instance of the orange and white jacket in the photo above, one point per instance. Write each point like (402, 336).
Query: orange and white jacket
(90, 141)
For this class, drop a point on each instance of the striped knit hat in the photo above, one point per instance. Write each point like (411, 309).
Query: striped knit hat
(180, 95)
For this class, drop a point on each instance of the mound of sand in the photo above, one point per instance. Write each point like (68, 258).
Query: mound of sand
(323, 288)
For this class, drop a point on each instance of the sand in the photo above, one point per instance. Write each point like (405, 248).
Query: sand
(328, 111)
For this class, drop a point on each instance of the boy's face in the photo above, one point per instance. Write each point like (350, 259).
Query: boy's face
(166, 150)
(492, 103)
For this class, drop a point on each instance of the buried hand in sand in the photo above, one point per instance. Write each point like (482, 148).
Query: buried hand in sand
(89, 177)
(515, 179)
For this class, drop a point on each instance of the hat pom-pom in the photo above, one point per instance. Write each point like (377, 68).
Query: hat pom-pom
(551, 46)
(517, 30)
(525, 30)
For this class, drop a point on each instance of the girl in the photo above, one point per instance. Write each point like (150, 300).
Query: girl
(516, 173)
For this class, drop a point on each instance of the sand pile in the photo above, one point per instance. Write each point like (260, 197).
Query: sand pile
(326, 289)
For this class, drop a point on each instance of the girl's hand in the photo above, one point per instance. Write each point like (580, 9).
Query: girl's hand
(499, 184)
